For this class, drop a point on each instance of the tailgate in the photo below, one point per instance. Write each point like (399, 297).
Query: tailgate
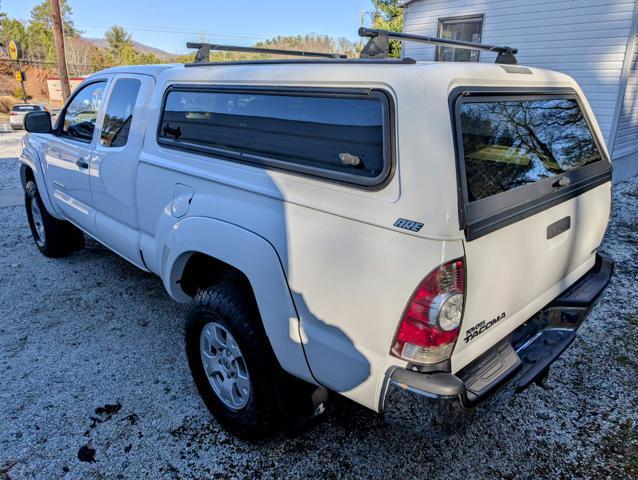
(535, 196)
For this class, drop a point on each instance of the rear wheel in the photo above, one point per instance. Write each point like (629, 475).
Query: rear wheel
(231, 360)
(53, 237)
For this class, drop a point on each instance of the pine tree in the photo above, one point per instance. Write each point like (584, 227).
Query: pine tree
(41, 13)
(387, 15)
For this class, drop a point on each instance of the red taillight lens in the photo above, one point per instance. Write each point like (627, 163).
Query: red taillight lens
(430, 325)
(11, 114)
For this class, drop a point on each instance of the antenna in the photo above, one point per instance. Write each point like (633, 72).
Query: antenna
(379, 44)
(204, 49)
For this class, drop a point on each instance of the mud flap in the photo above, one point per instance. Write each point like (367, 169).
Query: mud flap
(301, 404)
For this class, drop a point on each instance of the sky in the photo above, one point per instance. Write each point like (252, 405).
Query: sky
(169, 24)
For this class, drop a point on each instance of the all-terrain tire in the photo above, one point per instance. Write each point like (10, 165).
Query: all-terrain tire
(231, 305)
(53, 237)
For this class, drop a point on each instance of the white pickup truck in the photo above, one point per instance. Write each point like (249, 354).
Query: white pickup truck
(355, 226)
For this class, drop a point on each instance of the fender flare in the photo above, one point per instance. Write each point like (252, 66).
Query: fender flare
(36, 167)
(258, 260)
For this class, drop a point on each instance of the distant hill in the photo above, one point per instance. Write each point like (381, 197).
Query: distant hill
(162, 54)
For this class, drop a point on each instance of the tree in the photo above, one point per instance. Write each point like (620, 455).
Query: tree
(387, 15)
(347, 47)
(12, 29)
(122, 50)
(41, 13)
(39, 43)
(79, 55)
(147, 59)
(120, 44)
(101, 59)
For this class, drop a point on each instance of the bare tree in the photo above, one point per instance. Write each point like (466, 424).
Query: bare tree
(79, 54)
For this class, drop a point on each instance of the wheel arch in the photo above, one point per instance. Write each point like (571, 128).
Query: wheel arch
(201, 249)
(31, 169)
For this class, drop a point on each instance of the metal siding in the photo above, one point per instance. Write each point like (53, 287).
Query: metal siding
(586, 39)
(626, 142)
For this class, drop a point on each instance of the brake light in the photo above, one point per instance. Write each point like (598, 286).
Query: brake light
(431, 321)
(11, 114)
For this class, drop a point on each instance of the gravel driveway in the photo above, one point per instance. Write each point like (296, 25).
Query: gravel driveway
(95, 384)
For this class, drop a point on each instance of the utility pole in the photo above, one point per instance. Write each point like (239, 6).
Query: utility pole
(58, 33)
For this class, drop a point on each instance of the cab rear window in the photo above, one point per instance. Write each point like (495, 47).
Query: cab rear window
(516, 142)
(25, 108)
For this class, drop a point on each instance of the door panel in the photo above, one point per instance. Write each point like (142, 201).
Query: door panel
(115, 163)
(68, 155)
(513, 267)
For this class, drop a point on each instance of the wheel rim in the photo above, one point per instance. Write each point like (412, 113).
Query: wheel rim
(225, 366)
(38, 223)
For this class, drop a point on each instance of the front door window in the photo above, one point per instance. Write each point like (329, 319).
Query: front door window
(81, 114)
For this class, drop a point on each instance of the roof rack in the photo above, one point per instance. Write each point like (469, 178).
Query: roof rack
(379, 44)
(204, 49)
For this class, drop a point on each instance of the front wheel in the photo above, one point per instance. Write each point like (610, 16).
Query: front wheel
(53, 237)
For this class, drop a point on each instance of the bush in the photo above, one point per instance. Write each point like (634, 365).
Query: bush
(6, 103)
(17, 93)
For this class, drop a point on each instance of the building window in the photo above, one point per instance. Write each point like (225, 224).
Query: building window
(468, 29)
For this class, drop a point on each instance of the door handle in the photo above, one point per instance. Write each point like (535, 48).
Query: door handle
(82, 164)
(556, 228)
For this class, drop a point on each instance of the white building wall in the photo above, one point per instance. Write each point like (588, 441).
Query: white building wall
(587, 39)
(627, 131)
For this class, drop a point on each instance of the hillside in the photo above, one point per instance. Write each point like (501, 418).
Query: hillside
(141, 47)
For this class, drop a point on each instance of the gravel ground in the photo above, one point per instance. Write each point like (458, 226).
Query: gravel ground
(95, 384)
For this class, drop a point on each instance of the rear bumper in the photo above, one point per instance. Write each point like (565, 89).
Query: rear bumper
(524, 357)
(17, 121)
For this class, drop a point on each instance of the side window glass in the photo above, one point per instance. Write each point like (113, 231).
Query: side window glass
(81, 114)
(119, 112)
(314, 134)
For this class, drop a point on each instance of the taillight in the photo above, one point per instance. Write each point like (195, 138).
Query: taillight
(11, 114)
(431, 321)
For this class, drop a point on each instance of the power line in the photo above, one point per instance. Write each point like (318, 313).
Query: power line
(43, 62)
(212, 33)
(156, 29)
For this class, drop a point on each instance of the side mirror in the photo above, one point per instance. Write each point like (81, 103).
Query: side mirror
(38, 122)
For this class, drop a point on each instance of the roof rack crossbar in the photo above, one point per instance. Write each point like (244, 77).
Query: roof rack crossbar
(378, 45)
(204, 49)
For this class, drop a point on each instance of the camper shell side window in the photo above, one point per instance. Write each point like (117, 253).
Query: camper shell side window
(342, 135)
